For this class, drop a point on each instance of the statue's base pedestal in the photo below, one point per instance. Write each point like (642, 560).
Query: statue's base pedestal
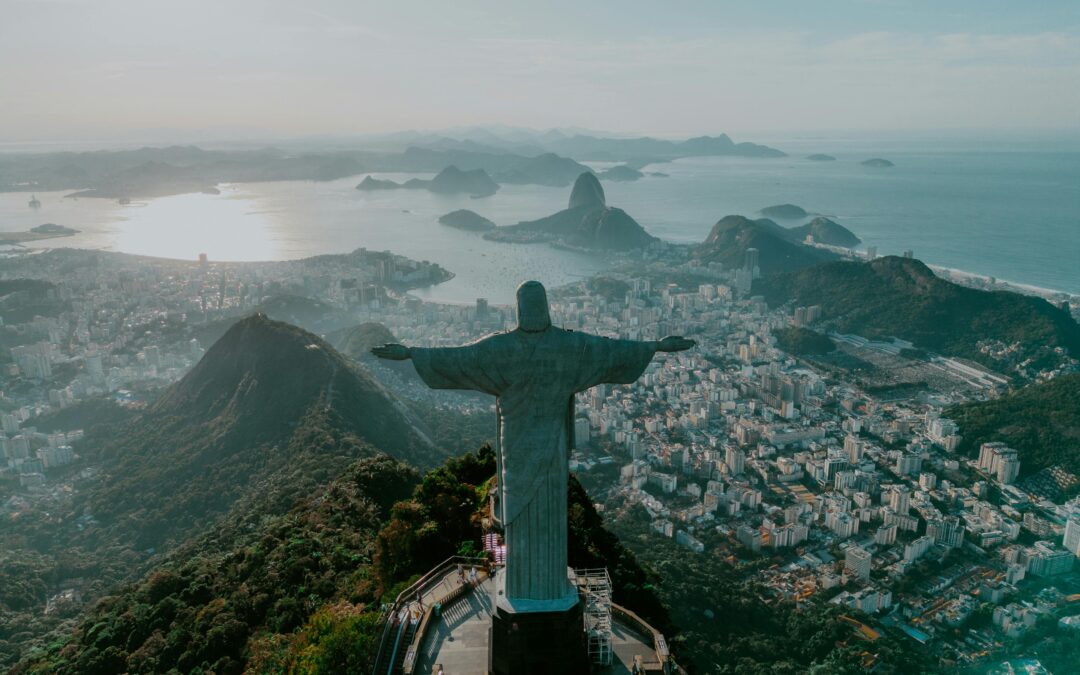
(538, 643)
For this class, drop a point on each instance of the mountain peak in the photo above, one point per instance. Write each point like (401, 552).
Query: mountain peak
(912, 267)
(265, 400)
(452, 180)
(261, 370)
(587, 192)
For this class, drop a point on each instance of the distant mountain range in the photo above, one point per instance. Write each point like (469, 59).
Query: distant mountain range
(902, 297)
(505, 168)
(636, 149)
(587, 222)
(451, 180)
(155, 172)
(586, 145)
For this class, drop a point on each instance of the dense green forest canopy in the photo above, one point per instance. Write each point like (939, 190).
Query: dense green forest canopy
(301, 592)
(803, 341)
(1042, 421)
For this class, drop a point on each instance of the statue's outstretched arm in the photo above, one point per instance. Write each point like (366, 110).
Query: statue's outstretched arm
(392, 351)
(674, 343)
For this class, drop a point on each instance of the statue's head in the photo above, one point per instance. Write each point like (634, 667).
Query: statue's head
(533, 315)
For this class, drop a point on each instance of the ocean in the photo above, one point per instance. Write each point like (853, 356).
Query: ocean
(1011, 211)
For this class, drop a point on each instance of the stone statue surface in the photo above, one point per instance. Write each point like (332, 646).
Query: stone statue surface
(534, 371)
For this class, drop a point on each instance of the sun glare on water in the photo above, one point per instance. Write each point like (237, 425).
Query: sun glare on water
(225, 227)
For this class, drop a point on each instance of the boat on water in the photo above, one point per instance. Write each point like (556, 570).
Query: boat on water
(34, 203)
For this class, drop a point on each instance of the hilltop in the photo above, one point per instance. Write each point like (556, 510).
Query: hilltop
(268, 404)
(902, 297)
(778, 249)
(587, 222)
(356, 342)
(587, 193)
(297, 310)
(825, 231)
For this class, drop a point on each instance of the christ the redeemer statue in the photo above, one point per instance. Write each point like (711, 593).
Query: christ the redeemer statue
(534, 372)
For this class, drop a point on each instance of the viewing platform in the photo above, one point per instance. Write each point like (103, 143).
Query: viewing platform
(451, 633)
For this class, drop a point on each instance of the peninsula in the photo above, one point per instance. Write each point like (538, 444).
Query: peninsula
(46, 231)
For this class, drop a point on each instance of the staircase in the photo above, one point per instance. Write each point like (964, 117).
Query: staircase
(404, 639)
(386, 646)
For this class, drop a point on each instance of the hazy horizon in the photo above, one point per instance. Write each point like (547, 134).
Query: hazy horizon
(121, 70)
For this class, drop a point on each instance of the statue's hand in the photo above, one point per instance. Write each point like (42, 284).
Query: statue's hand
(392, 351)
(674, 343)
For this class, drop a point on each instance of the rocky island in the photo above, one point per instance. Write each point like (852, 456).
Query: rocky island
(371, 183)
(819, 157)
(464, 219)
(587, 223)
(784, 211)
(877, 163)
(621, 173)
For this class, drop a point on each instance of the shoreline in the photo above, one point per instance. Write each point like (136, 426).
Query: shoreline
(985, 282)
(26, 236)
(990, 282)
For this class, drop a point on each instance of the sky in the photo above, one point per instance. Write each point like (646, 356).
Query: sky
(89, 69)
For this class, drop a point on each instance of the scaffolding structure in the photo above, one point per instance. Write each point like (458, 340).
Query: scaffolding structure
(594, 585)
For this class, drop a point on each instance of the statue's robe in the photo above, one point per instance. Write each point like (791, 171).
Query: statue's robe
(535, 376)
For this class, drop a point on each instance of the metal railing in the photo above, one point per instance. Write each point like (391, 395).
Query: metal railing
(635, 622)
(418, 587)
